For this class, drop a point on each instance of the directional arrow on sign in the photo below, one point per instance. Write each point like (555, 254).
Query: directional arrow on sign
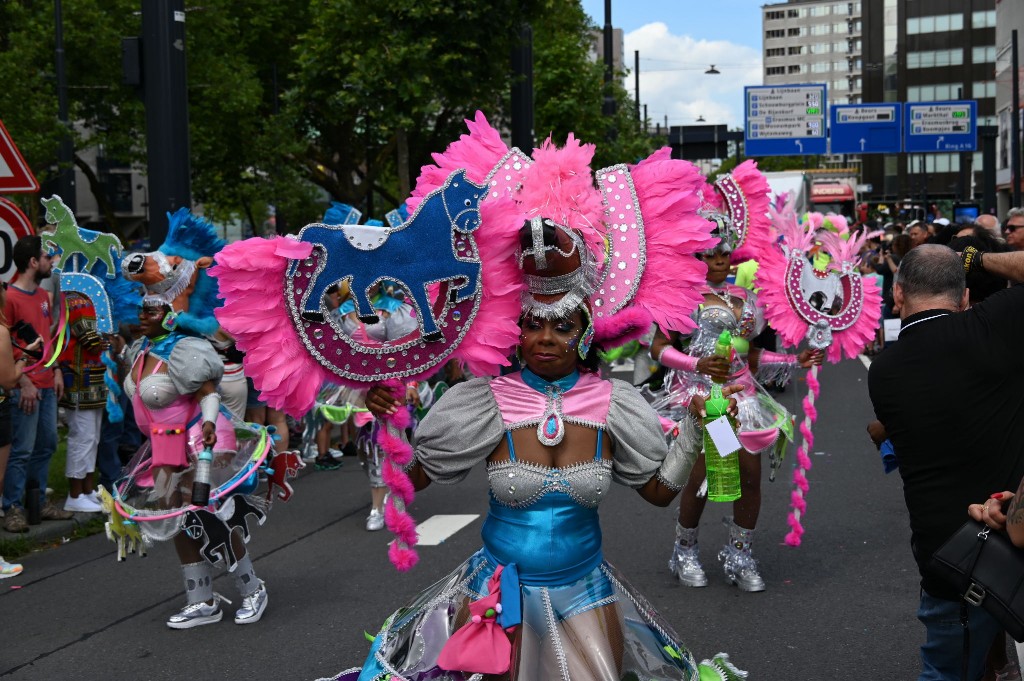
(862, 143)
(15, 175)
(938, 142)
(800, 144)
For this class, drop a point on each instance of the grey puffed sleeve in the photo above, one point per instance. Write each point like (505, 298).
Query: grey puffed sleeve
(193, 361)
(459, 431)
(639, 440)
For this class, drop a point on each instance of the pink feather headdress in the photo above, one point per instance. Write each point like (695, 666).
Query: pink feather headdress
(739, 203)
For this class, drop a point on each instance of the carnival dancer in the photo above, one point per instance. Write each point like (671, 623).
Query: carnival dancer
(554, 437)
(765, 424)
(172, 382)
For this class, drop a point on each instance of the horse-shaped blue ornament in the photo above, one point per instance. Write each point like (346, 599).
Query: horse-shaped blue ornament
(416, 254)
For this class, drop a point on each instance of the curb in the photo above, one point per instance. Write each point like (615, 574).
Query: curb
(49, 530)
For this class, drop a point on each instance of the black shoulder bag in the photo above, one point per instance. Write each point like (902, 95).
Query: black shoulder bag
(987, 570)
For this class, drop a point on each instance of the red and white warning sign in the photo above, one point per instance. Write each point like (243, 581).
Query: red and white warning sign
(15, 175)
(13, 225)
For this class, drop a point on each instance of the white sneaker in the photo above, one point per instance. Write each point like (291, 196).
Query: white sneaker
(94, 497)
(374, 521)
(14, 569)
(335, 453)
(82, 504)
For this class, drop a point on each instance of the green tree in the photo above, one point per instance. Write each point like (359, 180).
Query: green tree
(569, 89)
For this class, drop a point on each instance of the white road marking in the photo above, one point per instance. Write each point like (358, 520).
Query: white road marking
(436, 529)
(865, 360)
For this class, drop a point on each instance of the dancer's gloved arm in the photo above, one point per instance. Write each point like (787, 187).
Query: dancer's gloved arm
(684, 450)
(778, 367)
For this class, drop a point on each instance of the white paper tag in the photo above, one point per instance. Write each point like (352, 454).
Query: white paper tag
(723, 436)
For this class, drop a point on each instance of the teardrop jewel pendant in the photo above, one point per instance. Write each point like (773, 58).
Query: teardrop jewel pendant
(551, 428)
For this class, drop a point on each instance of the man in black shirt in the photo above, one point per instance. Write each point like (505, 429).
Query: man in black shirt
(950, 396)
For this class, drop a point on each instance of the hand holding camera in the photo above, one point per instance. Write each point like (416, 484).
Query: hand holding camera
(31, 341)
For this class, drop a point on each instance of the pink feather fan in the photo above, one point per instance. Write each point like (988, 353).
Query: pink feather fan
(787, 279)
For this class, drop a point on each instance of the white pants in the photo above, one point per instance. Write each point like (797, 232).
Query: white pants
(234, 393)
(83, 439)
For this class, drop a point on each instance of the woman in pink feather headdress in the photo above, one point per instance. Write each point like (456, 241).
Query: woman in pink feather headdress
(738, 206)
(539, 601)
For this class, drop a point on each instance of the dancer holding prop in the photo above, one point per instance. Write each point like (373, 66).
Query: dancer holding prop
(172, 382)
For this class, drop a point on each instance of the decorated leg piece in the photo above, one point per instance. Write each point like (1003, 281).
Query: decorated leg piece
(737, 561)
(198, 593)
(253, 592)
(685, 560)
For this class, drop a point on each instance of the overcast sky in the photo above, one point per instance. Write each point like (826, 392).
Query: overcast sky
(678, 40)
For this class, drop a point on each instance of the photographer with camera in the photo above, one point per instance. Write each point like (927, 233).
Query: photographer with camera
(34, 402)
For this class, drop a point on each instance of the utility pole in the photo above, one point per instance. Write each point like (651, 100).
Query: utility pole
(608, 108)
(66, 150)
(1015, 121)
(165, 92)
(522, 90)
(636, 85)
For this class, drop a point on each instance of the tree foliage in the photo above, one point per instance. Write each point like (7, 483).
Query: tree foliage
(294, 101)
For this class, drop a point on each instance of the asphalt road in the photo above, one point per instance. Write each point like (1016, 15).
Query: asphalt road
(841, 606)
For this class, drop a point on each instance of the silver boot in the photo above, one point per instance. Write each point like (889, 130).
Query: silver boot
(685, 560)
(740, 566)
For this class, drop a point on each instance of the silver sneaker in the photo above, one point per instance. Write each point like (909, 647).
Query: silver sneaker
(741, 569)
(253, 606)
(198, 614)
(685, 565)
(374, 521)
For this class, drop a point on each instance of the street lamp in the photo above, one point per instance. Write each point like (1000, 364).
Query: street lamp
(700, 119)
(712, 71)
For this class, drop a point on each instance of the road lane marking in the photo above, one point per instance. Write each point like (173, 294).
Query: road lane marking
(436, 529)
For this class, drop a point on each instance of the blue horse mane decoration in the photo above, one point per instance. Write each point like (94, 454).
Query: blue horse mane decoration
(418, 253)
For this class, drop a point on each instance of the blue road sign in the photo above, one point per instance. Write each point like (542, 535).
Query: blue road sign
(785, 120)
(866, 128)
(936, 127)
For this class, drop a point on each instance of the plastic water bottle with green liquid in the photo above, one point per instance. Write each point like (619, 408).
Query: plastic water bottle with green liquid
(723, 471)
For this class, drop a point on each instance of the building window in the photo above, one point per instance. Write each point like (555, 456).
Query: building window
(796, 50)
(839, 85)
(983, 19)
(776, 33)
(794, 32)
(983, 55)
(839, 28)
(819, 29)
(775, 71)
(936, 24)
(935, 58)
(776, 52)
(792, 13)
(793, 68)
(820, 67)
(771, 16)
(838, 66)
(983, 89)
(820, 48)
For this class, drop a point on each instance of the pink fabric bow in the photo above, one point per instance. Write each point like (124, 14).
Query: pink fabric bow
(481, 645)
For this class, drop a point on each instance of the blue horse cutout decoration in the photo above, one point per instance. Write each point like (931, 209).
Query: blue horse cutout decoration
(416, 254)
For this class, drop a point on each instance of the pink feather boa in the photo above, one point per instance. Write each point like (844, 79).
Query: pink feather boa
(397, 455)
(250, 276)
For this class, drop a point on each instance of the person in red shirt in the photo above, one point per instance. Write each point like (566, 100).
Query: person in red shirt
(34, 414)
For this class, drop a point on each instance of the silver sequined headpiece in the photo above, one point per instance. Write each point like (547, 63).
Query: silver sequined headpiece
(573, 286)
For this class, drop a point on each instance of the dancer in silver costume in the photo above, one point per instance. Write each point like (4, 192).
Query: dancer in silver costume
(765, 425)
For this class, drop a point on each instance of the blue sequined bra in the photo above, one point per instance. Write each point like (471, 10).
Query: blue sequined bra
(518, 484)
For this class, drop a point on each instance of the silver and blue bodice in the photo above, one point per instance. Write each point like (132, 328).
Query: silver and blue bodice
(542, 519)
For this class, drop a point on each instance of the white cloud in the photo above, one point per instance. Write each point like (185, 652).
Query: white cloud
(673, 82)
